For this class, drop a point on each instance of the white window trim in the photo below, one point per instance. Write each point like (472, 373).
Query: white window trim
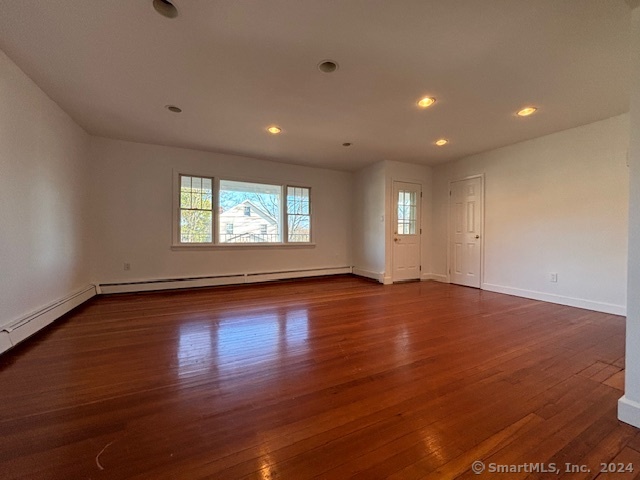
(176, 244)
(176, 208)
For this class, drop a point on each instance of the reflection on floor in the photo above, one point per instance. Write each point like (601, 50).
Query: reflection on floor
(334, 377)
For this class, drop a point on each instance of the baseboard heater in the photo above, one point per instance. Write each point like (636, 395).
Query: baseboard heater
(216, 280)
(18, 330)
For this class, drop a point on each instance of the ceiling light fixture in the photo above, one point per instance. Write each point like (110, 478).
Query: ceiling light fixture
(173, 108)
(441, 142)
(165, 8)
(273, 130)
(426, 102)
(525, 112)
(327, 66)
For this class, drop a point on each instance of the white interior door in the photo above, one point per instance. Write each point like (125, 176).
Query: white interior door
(465, 220)
(406, 233)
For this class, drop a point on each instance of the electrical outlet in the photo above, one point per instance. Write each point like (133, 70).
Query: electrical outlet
(127, 266)
(553, 277)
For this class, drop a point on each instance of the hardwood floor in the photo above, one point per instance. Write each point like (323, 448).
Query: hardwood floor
(325, 378)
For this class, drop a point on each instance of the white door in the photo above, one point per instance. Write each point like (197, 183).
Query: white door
(406, 231)
(465, 220)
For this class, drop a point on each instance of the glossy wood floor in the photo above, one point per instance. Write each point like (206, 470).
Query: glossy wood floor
(326, 378)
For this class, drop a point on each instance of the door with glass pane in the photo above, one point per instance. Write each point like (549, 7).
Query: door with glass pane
(406, 233)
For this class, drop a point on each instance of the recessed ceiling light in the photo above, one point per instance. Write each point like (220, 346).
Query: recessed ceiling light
(441, 142)
(327, 66)
(165, 8)
(346, 144)
(426, 102)
(173, 108)
(274, 130)
(525, 112)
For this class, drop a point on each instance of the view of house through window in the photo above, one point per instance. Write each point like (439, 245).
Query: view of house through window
(196, 209)
(245, 212)
(250, 211)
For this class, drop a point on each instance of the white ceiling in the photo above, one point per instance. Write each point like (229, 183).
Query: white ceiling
(238, 66)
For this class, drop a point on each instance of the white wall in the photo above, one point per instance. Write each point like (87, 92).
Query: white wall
(553, 204)
(369, 215)
(629, 405)
(132, 212)
(43, 198)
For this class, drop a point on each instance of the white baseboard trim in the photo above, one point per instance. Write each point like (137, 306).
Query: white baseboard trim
(18, 330)
(629, 411)
(436, 277)
(378, 276)
(217, 280)
(559, 299)
(387, 280)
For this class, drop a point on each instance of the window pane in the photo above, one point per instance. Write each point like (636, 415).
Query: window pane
(195, 226)
(407, 208)
(196, 192)
(302, 198)
(207, 194)
(250, 212)
(299, 228)
(297, 201)
(185, 192)
(412, 214)
(185, 182)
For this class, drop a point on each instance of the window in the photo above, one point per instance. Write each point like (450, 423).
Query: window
(224, 212)
(298, 214)
(407, 206)
(196, 209)
(247, 206)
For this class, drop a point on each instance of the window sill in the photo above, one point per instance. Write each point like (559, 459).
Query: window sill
(239, 246)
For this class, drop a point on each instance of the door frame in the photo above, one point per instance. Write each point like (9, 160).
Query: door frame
(481, 176)
(391, 214)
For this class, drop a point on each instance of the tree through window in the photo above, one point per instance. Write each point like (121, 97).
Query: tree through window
(196, 209)
(242, 212)
(298, 214)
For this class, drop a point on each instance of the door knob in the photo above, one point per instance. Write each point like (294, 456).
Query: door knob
(477, 236)
(395, 239)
